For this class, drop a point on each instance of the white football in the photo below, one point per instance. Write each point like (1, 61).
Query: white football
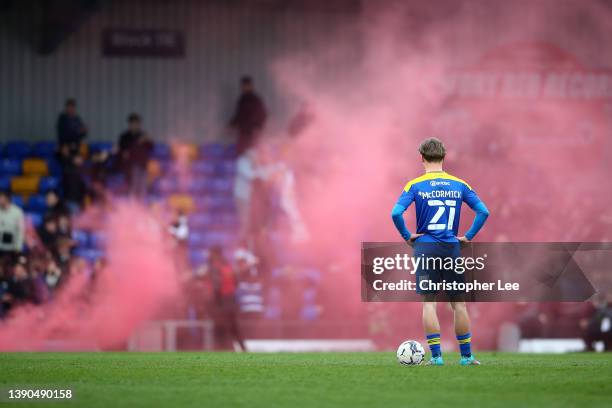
(410, 352)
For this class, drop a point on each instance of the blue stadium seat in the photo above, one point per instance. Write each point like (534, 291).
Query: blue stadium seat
(167, 186)
(5, 183)
(217, 150)
(196, 240)
(36, 203)
(81, 237)
(49, 183)
(197, 257)
(10, 167)
(35, 218)
(96, 147)
(212, 150)
(199, 185)
(44, 149)
(200, 220)
(203, 167)
(225, 168)
(217, 202)
(18, 200)
(212, 238)
(229, 220)
(97, 240)
(161, 151)
(17, 149)
(220, 185)
(90, 255)
(54, 167)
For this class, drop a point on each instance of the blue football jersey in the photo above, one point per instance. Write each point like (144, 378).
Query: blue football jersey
(437, 197)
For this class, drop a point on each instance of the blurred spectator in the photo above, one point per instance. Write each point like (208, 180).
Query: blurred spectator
(180, 228)
(12, 225)
(301, 121)
(100, 167)
(250, 116)
(55, 205)
(224, 289)
(135, 149)
(246, 172)
(48, 233)
(20, 287)
(249, 291)
(70, 129)
(73, 182)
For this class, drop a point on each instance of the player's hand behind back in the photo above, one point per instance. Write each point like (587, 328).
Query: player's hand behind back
(413, 238)
(463, 241)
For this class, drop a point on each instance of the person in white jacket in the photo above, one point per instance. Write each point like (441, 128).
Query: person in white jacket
(12, 225)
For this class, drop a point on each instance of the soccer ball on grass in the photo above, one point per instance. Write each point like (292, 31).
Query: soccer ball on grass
(410, 352)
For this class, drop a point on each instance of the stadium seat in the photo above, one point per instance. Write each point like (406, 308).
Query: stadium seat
(167, 185)
(35, 167)
(44, 150)
(36, 203)
(5, 183)
(161, 151)
(91, 255)
(199, 185)
(49, 183)
(17, 149)
(81, 237)
(54, 167)
(197, 257)
(26, 185)
(97, 147)
(217, 150)
(201, 220)
(181, 202)
(97, 240)
(203, 167)
(196, 240)
(18, 201)
(35, 218)
(222, 185)
(10, 167)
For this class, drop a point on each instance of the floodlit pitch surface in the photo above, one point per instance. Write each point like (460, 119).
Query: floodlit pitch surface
(310, 380)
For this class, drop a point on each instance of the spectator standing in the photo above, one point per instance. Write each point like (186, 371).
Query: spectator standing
(12, 226)
(135, 149)
(73, 182)
(250, 116)
(224, 289)
(71, 131)
(55, 205)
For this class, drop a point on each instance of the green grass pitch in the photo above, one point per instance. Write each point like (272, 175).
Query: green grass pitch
(310, 380)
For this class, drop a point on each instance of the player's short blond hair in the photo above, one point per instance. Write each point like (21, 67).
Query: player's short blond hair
(432, 150)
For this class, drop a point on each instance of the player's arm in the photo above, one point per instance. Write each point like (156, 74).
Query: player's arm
(482, 213)
(397, 213)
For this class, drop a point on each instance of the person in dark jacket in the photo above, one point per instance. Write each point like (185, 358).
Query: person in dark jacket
(71, 131)
(250, 116)
(135, 149)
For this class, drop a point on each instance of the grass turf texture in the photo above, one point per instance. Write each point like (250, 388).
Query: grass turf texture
(310, 380)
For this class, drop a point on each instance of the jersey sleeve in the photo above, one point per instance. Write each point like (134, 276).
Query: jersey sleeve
(482, 213)
(402, 204)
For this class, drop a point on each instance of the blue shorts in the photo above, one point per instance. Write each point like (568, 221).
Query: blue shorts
(436, 267)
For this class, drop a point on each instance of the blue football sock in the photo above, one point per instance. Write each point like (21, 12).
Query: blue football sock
(433, 340)
(465, 344)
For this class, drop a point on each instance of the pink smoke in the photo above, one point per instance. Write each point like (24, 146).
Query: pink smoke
(138, 281)
(383, 83)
